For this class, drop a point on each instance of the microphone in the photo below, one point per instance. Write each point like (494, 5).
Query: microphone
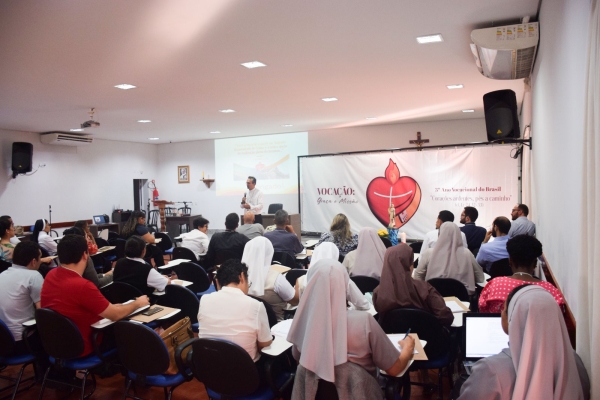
(244, 199)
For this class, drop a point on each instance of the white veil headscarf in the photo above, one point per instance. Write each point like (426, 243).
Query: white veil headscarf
(541, 352)
(450, 259)
(320, 328)
(369, 254)
(258, 254)
(325, 251)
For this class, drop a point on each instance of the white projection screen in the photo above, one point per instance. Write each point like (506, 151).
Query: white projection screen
(419, 184)
(272, 159)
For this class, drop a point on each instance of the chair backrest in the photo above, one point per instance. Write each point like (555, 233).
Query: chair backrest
(4, 265)
(184, 253)
(326, 391)
(426, 325)
(386, 241)
(341, 258)
(185, 210)
(7, 341)
(101, 242)
(223, 255)
(120, 292)
(189, 271)
(293, 274)
(273, 208)
(140, 349)
(59, 335)
(500, 268)
(119, 246)
(169, 211)
(44, 252)
(450, 287)
(165, 243)
(180, 297)
(365, 283)
(153, 218)
(112, 235)
(224, 367)
(284, 258)
(270, 312)
(416, 246)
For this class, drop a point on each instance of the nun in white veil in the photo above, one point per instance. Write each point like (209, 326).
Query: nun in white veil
(265, 282)
(329, 251)
(539, 363)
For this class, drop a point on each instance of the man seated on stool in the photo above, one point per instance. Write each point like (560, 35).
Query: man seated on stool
(196, 240)
(495, 250)
(231, 315)
(432, 236)
(284, 238)
(229, 240)
(136, 272)
(250, 229)
(78, 299)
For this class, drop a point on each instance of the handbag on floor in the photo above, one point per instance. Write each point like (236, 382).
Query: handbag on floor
(175, 335)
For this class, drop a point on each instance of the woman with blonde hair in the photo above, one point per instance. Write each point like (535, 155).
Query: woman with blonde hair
(340, 235)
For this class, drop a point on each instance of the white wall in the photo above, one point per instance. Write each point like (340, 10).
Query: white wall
(78, 182)
(557, 129)
(200, 156)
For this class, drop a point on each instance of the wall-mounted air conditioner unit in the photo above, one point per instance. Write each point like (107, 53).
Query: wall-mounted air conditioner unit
(66, 139)
(505, 52)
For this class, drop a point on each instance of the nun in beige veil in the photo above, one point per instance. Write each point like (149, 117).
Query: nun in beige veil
(449, 259)
(367, 259)
(539, 363)
(337, 345)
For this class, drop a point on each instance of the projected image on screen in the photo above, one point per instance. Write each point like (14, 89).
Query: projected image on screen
(271, 159)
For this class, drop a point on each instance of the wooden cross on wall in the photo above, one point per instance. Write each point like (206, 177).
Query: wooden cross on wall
(419, 142)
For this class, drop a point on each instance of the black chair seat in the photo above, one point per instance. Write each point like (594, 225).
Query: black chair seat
(293, 274)
(416, 247)
(365, 283)
(183, 253)
(450, 287)
(500, 268)
(120, 292)
(194, 273)
(274, 207)
(284, 259)
(119, 244)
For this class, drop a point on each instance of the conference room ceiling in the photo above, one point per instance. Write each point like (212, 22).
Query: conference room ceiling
(60, 58)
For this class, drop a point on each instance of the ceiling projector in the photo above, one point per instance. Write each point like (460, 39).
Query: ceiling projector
(91, 123)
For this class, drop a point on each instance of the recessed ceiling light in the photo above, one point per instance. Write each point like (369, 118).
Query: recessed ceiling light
(287, 125)
(216, 132)
(153, 138)
(228, 110)
(125, 86)
(371, 118)
(76, 130)
(329, 99)
(468, 110)
(253, 64)
(430, 38)
(459, 86)
(144, 121)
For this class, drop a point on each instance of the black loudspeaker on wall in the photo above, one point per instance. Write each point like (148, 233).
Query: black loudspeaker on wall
(22, 154)
(501, 119)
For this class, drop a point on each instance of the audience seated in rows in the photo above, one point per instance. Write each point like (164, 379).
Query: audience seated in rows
(231, 315)
(328, 251)
(340, 235)
(489, 252)
(523, 252)
(329, 341)
(40, 234)
(521, 225)
(21, 287)
(284, 238)
(267, 283)
(196, 240)
(249, 228)
(474, 234)
(7, 232)
(92, 246)
(449, 259)
(90, 273)
(136, 272)
(397, 288)
(229, 241)
(14, 240)
(431, 237)
(367, 259)
(69, 294)
(539, 362)
(136, 225)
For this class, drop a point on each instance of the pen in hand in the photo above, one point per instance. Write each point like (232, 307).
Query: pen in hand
(407, 332)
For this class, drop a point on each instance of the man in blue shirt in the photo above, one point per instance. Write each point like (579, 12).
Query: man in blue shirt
(521, 225)
(475, 234)
(495, 250)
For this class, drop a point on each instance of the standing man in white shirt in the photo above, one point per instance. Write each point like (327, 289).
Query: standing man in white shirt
(197, 240)
(253, 200)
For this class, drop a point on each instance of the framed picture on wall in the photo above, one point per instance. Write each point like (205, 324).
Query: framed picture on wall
(183, 174)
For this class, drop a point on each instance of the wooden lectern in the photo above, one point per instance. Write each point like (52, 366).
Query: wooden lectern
(161, 206)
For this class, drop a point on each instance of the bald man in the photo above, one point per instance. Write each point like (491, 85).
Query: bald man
(250, 229)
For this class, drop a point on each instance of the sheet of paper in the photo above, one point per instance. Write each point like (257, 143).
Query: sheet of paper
(311, 242)
(486, 276)
(31, 322)
(454, 307)
(278, 346)
(282, 328)
(396, 337)
(181, 282)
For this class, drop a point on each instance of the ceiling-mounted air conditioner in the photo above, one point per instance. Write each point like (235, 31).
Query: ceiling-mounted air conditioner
(505, 52)
(66, 139)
